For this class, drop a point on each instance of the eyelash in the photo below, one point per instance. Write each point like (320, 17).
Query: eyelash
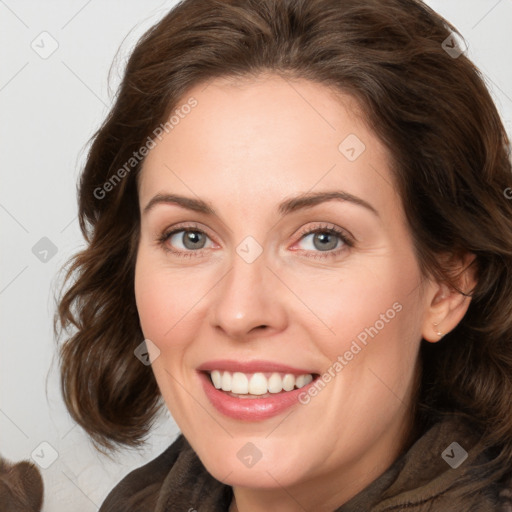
(329, 229)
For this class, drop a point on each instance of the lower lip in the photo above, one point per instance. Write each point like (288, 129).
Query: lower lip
(250, 409)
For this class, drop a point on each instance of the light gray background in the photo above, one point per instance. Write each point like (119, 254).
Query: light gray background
(49, 108)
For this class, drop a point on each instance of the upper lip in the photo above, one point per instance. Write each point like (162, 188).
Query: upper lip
(254, 366)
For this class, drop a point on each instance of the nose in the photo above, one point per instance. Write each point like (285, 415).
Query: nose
(249, 300)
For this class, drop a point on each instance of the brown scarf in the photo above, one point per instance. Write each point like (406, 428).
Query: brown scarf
(421, 480)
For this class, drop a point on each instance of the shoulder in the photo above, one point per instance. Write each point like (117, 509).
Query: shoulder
(449, 467)
(140, 489)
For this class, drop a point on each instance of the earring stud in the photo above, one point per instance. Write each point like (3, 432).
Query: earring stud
(438, 332)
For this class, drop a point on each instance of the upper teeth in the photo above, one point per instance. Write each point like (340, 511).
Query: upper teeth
(257, 383)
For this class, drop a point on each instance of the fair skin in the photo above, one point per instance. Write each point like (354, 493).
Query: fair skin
(247, 147)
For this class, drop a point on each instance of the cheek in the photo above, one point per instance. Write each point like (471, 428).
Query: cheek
(361, 304)
(164, 298)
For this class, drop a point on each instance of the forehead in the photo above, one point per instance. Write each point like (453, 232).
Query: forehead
(257, 138)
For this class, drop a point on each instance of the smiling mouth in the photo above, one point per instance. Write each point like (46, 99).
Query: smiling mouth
(258, 384)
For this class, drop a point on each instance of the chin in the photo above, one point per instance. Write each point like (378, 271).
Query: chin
(239, 463)
(262, 476)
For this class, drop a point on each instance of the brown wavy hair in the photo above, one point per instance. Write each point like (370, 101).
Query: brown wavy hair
(451, 166)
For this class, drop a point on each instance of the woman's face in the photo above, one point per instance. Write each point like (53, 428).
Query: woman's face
(284, 251)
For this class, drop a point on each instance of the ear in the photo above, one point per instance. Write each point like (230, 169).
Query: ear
(445, 306)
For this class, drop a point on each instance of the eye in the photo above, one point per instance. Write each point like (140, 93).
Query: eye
(329, 240)
(185, 241)
(191, 240)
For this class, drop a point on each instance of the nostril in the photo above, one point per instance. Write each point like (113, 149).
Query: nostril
(259, 327)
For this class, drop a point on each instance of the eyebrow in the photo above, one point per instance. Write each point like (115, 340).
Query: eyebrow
(302, 201)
